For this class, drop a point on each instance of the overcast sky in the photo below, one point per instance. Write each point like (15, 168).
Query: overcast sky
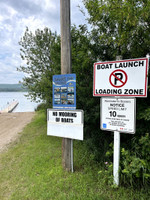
(15, 15)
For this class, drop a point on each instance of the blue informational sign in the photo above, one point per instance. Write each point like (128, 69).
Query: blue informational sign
(64, 91)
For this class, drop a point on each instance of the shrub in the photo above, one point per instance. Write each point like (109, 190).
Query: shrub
(134, 163)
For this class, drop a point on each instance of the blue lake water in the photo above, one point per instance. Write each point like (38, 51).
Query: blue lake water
(25, 105)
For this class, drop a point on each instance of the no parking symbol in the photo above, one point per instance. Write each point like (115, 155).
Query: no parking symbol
(118, 78)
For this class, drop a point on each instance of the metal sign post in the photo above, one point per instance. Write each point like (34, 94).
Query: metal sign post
(116, 157)
(120, 79)
(67, 124)
(118, 115)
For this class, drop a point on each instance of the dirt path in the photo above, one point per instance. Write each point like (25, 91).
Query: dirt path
(10, 125)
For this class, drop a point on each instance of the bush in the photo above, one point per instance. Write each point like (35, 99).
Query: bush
(134, 163)
(41, 106)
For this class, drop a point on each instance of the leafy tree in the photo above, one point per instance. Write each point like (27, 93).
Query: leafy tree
(41, 54)
(123, 27)
(83, 58)
(82, 61)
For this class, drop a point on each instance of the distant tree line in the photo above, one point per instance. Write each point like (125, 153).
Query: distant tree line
(12, 88)
(117, 28)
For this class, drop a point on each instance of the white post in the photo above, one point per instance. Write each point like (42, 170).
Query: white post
(116, 156)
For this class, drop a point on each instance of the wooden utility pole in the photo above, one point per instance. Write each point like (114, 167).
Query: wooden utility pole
(65, 37)
(65, 69)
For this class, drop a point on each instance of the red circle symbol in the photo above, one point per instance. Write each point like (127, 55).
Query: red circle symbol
(118, 78)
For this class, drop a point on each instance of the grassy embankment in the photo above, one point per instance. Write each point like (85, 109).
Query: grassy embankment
(31, 169)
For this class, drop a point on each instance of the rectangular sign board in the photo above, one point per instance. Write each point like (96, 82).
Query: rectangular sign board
(118, 114)
(64, 91)
(65, 123)
(127, 78)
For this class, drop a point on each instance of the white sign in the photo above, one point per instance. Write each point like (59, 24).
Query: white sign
(118, 114)
(65, 123)
(121, 78)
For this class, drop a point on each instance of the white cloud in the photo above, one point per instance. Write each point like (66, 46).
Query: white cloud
(15, 16)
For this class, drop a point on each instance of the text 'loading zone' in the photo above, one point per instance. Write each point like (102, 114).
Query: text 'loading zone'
(121, 78)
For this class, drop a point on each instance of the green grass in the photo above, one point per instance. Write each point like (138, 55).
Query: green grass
(31, 170)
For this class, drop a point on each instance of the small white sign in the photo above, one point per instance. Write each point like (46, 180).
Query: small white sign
(118, 114)
(65, 123)
(121, 78)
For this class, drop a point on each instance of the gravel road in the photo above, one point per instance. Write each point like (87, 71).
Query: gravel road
(10, 125)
